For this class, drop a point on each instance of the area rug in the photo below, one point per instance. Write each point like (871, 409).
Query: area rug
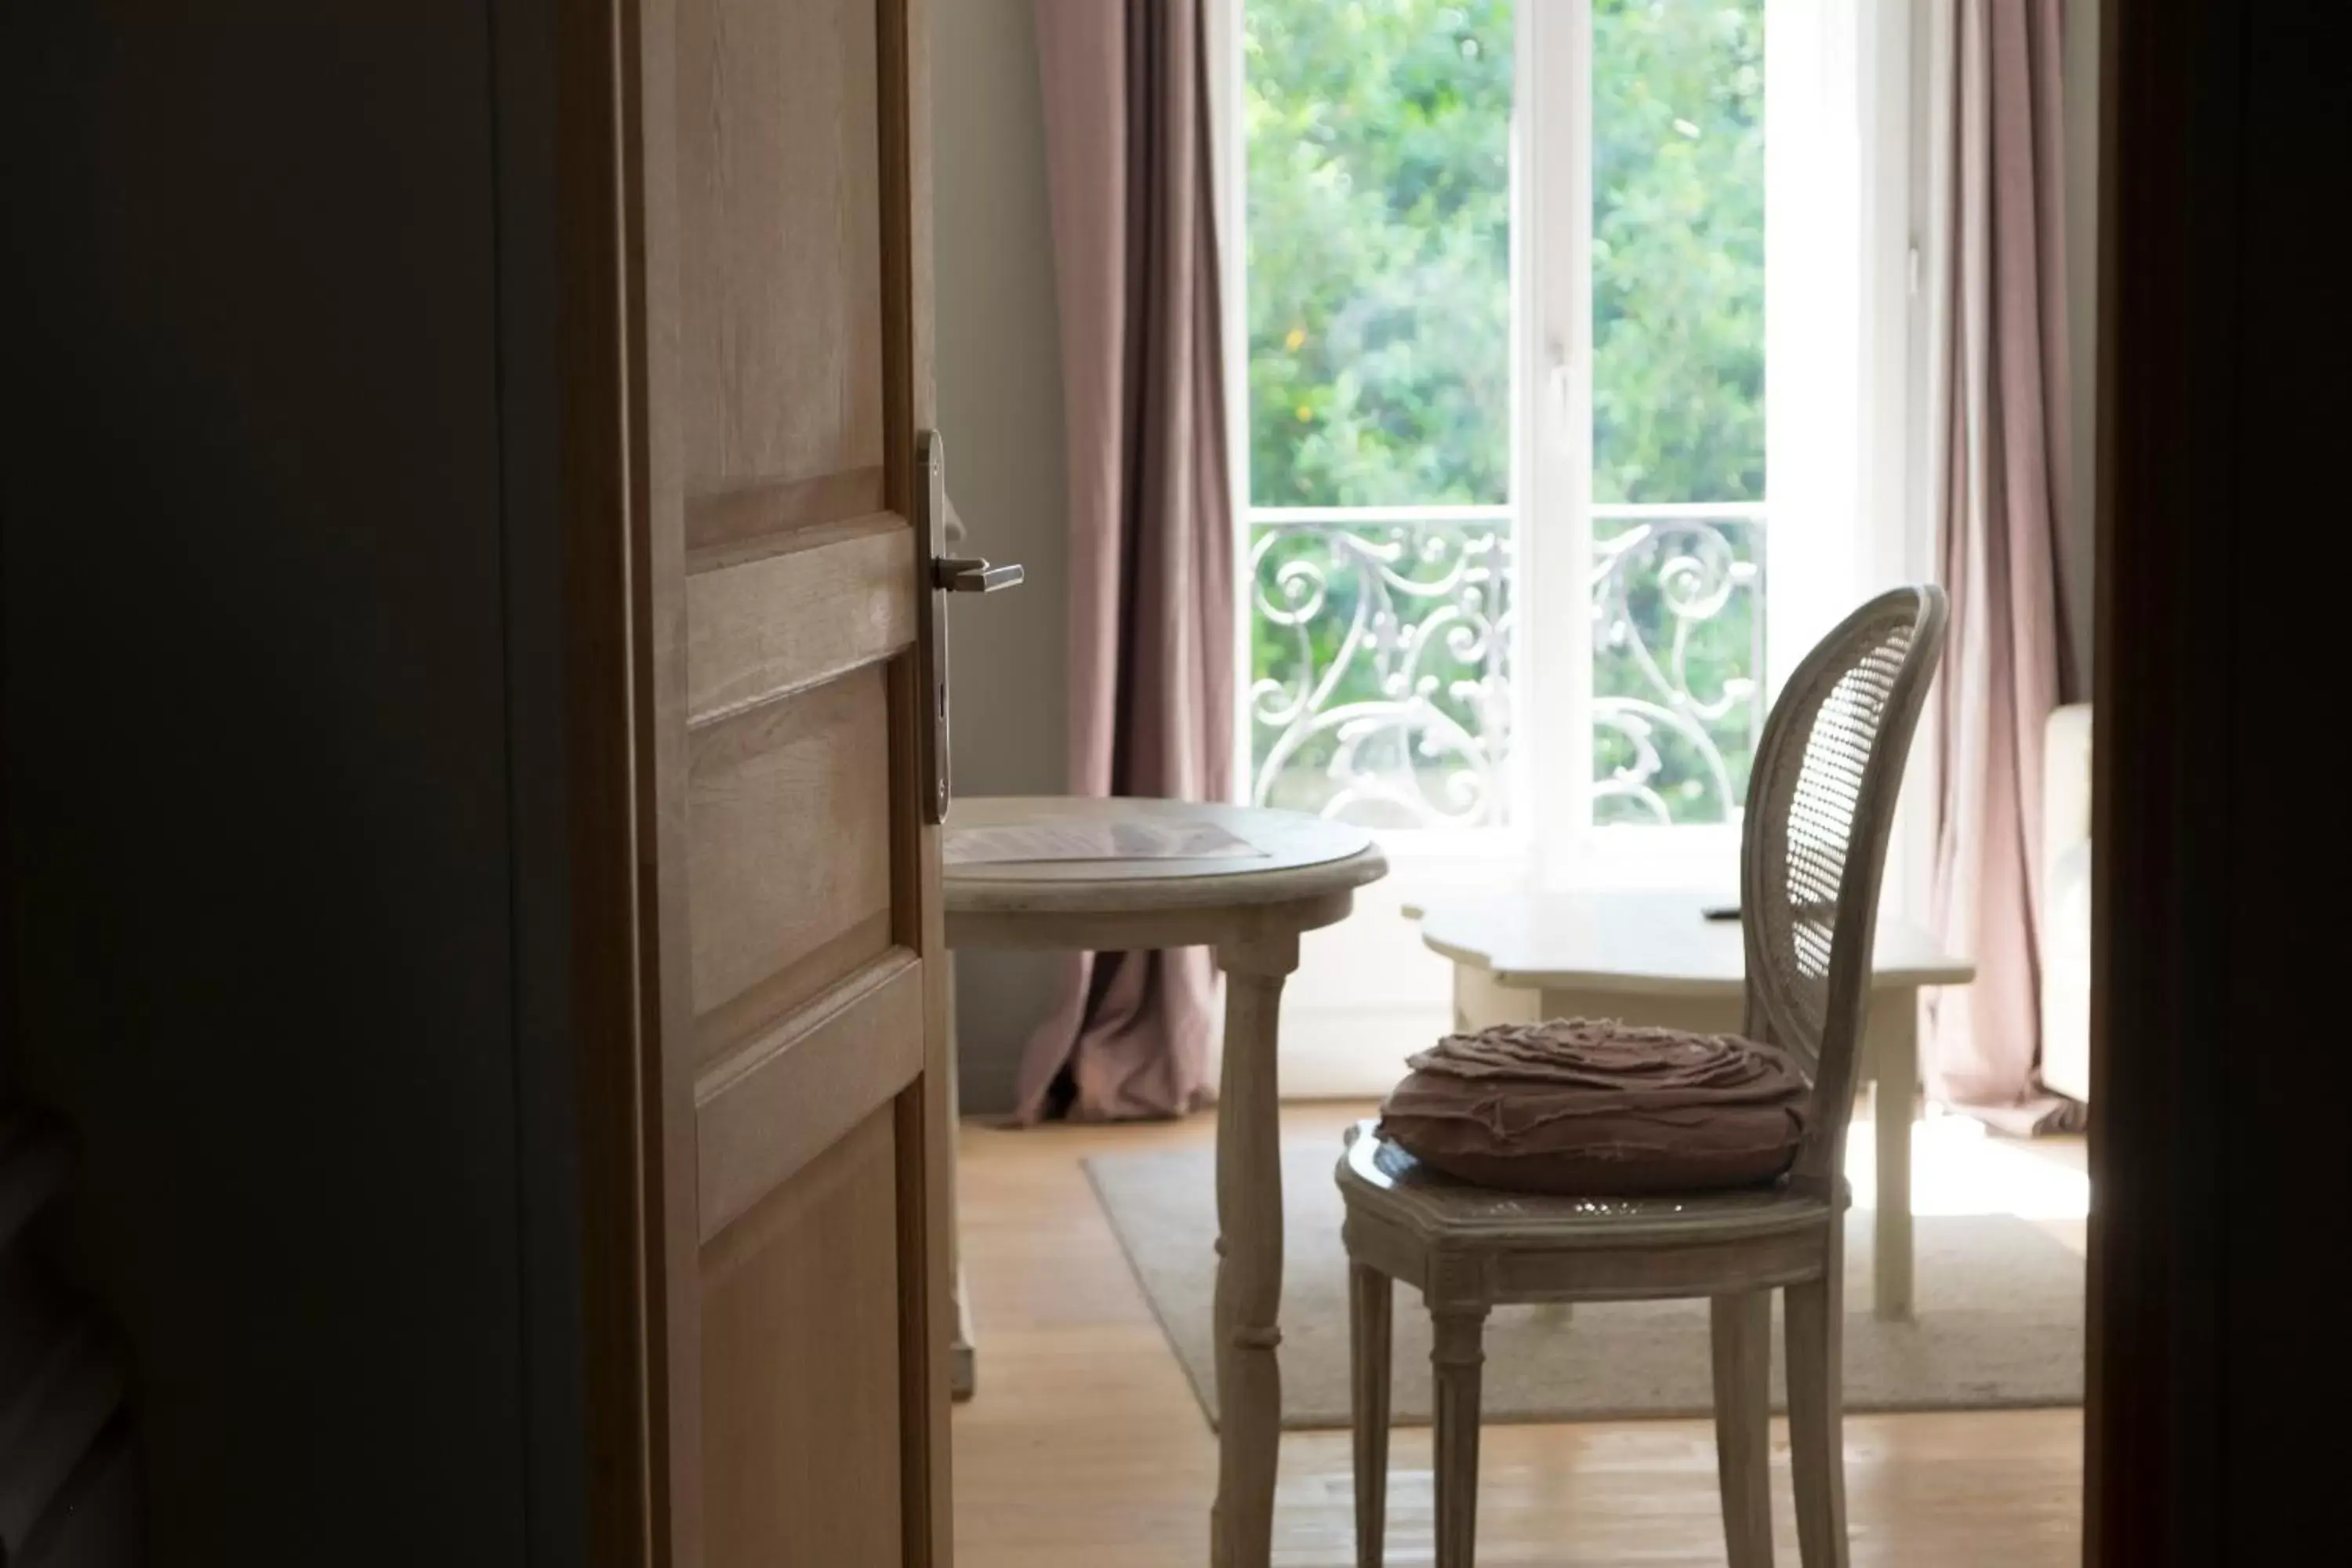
(2000, 1319)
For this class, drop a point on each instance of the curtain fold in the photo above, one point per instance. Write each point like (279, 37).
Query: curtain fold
(2005, 488)
(1128, 170)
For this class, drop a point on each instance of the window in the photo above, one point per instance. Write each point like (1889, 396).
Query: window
(1677, 496)
(1516, 529)
(1573, 342)
(1380, 455)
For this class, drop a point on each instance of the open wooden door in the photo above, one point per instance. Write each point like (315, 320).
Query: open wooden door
(772, 948)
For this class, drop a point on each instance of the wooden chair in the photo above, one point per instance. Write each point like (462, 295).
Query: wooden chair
(1820, 804)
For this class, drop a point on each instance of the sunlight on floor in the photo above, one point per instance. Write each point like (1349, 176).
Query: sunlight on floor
(1959, 1167)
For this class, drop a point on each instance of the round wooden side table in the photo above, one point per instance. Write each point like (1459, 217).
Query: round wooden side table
(1301, 872)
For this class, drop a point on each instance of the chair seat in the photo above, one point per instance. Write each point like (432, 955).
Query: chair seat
(1380, 1178)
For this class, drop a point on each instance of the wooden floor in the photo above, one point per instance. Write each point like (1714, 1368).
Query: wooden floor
(1085, 1449)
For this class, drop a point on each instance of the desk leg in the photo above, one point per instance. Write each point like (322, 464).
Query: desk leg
(1249, 1254)
(1894, 1034)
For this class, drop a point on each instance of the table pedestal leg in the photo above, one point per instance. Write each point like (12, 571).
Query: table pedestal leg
(1249, 1254)
(1894, 1041)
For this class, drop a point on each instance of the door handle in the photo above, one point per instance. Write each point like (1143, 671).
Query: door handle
(961, 574)
(938, 526)
(1560, 383)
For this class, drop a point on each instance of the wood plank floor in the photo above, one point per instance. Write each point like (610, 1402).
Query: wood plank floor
(1085, 1449)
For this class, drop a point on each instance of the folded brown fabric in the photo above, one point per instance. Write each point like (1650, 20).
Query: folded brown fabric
(1594, 1107)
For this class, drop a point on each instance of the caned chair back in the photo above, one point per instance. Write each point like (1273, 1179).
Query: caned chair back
(1820, 803)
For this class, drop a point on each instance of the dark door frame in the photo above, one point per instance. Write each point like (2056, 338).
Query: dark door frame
(2220, 1149)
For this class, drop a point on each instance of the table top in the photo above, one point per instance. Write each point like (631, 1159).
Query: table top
(1646, 942)
(1300, 857)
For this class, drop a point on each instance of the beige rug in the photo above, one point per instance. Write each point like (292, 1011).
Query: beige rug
(1999, 1321)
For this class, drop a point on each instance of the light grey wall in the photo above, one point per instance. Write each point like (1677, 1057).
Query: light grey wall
(1000, 394)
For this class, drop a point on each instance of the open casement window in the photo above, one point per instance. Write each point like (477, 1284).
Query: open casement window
(1572, 355)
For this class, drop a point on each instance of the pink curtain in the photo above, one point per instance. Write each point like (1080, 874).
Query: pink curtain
(2002, 507)
(1151, 570)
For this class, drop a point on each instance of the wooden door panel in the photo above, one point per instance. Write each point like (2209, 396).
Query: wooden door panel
(801, 1418)
(768, 1110)
(807, 919)
(779, 175)
(785, 610)
(789, 816)
(718, 519)
(790, 1098)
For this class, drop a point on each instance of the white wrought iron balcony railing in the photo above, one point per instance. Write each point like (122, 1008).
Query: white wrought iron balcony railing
(1381, 648)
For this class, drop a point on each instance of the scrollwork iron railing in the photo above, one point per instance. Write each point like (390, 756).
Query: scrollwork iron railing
(1380, 678)
(1381, 644)
(1678, 661)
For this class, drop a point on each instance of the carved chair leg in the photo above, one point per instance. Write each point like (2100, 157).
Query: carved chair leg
(1816, 1320)
(1743, 1368)
(1455, 1357)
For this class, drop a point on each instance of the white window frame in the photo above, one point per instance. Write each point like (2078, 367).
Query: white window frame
(1847, 357)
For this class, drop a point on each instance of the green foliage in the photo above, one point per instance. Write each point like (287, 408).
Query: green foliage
(1678, 355)
(1379, 251)
(1677, 251)
(1379, 307)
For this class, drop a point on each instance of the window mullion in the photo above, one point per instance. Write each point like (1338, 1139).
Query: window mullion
(1556, 463)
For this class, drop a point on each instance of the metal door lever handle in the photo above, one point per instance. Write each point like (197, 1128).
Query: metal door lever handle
(938, 527)
(962, 574)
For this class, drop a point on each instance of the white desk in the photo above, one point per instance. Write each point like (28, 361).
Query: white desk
(1250, 910)
(1653, 958)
